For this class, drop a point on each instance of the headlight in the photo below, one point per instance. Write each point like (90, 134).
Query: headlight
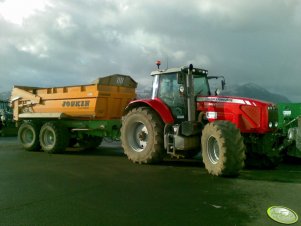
(276, 124)
(211, 115)
(270, 124)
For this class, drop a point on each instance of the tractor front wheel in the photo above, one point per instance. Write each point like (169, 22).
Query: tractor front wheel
(142, 136)
(223, 150)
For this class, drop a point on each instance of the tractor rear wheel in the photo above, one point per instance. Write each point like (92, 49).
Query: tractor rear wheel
(28, 135)
(223, 150)
(54, 138)
(142, 136)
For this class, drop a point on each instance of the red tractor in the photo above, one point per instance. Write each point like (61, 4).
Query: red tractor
(183, 118)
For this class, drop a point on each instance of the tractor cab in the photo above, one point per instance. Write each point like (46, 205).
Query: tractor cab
(174, 87)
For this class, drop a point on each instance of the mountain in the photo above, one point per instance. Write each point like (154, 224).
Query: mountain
(250, 90)
(254, 91)
(4, 95)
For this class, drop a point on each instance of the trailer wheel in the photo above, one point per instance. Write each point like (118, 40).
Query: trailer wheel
(54, 138)
(28, 135)
(223, 150)
(142, 136)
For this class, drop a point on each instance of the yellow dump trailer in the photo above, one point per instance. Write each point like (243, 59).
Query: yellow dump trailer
(54, 118)
(104, 99)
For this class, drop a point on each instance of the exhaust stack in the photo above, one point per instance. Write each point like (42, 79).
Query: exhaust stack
(190, 95)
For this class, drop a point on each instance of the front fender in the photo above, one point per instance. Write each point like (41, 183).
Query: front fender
(157, 105)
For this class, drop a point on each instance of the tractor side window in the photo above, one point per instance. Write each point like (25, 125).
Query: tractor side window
(168, 89)
(169, 93)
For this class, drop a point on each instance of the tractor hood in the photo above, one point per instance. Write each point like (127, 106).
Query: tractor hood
(250, 115)
(234, 100)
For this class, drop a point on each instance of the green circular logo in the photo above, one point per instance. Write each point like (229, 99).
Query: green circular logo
(282, 214)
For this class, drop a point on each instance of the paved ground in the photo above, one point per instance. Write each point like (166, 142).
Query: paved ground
(104, 188)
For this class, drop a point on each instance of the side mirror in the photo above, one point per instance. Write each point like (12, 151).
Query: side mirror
(180, 78)
(181, 90)
(223, 84)
(217, 92)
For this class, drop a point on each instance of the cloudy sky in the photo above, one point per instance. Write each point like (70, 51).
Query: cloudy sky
(64, 42)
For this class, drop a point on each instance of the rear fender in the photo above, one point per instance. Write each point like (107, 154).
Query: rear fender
(156, 104)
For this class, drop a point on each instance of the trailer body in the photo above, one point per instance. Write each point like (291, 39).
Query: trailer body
(83, 113)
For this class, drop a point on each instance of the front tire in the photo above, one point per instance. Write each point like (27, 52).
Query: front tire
(54, 138)
(223, 150)
(142, 136)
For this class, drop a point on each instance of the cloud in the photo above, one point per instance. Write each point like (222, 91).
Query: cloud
(72, 42)
(16, 11)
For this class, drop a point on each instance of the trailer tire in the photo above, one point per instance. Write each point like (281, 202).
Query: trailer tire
(54, 137)
(223, 150)
(142, 136)
(28, 135)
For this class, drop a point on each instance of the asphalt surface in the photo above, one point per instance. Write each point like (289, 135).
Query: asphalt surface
(102, 187)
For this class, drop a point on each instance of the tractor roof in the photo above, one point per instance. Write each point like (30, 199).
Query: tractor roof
(181, 69)
(166, 71)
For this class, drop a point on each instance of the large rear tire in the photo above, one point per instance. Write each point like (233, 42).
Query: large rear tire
(142, 136)
(28, 135)
(223, 150)
(54, 138)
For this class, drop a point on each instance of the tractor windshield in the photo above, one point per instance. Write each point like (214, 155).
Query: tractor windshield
(167, 88)
(201, 86)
